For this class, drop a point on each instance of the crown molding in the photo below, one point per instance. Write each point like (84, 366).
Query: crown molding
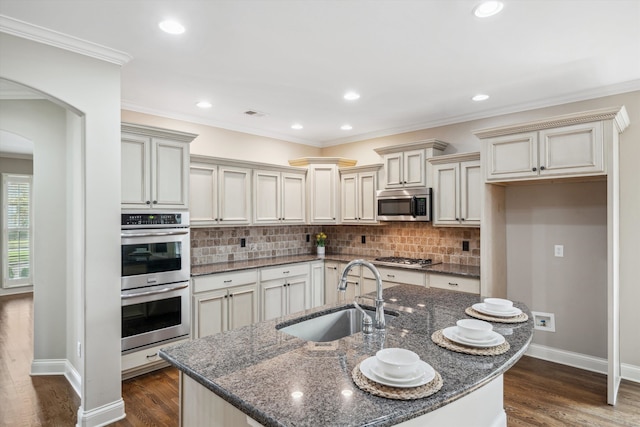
(458, 157)
(156, 132)
(339, 161)
(427, 143)
(43, 35)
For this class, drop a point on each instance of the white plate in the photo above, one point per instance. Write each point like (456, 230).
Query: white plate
(368, 366)
(482, 308)
(450, 333)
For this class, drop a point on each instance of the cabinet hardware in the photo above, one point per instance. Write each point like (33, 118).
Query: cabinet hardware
(534, 169)
(391, 275)
(155, 202)
(285, 272)
(228, 281)
(542, 168)
(461, 219)
(231, 296)
(457, 219)
(148, 202)
(453, 284)
(151, 356)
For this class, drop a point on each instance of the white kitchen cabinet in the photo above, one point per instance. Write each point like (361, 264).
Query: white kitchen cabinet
(284, 289)
(405, 165)
(358, 194)
(317, 283)
(391, 277)
(279, 197)
(565, 151)
(455, 283)
(223, 302)
(331, 278)
(219, 194)
(144, 361)
(154, 168)
(457, 190)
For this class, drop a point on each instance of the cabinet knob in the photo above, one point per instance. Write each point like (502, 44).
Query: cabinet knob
(457, 219)
(155, 202)
(231, 296)
(461, 219)
(534, 169)
(148, 202)
(542, 168)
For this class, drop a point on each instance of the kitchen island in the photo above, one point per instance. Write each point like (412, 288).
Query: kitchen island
(259, 375)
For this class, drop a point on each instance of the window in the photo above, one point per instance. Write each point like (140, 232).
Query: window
(17, 230)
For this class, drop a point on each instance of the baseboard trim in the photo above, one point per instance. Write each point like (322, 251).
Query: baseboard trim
(58, 367)
(102, 416)
(581, 361)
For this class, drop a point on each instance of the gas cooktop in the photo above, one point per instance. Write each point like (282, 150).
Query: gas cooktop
(405, 262)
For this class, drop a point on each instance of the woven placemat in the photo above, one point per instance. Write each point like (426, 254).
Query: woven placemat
(522, 317)
(438, 338)
(397, 393)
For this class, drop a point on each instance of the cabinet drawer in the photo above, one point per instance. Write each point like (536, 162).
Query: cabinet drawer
(136, 362)
(455, 283)
(397, 275)
(283, 271)
(224, 280)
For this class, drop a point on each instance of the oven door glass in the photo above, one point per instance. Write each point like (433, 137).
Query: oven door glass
(145, 258)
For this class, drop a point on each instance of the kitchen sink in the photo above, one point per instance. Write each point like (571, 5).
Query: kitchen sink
(332, 325)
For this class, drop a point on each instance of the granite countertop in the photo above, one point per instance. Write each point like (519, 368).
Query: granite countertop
(257, 368)
(222, 267)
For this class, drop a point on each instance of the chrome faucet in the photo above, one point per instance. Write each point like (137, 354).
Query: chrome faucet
(342, 286)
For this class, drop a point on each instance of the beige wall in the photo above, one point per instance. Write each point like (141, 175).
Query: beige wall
(228, 144)
(461, 138)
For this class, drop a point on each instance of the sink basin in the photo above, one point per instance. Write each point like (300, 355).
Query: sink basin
(331, 326)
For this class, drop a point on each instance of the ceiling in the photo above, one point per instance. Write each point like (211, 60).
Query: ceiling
(416, 64)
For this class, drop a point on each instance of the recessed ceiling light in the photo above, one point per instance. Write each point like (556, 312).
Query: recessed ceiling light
(480, 97)
(296, 126)
(488, 8)
(351, 96)
(171, 27)
(346, 127)
(204, 104)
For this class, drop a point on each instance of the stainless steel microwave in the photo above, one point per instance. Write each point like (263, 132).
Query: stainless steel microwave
(411, 204)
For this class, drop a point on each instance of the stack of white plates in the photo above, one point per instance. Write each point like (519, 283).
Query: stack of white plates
(453, 334)
(422, 374)
(481, 307)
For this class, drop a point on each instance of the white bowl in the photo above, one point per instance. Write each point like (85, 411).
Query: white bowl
(498, 304)
(397, 362)
(474, 329)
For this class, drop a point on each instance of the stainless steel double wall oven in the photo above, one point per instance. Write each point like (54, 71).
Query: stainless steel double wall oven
(155, 278)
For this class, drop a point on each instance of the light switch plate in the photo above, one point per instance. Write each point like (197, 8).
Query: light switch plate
(558, 250)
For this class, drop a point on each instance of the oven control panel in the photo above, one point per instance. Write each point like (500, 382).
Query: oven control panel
(154, 220)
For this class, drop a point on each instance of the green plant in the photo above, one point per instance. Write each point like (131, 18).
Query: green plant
(320, 239)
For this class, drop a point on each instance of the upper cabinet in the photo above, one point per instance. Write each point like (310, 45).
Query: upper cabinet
(457, 189)
(405, 165)
(279, 197)
(220, 194)
(565, 146)
(358, 194)
(154, 168)
(323, 195)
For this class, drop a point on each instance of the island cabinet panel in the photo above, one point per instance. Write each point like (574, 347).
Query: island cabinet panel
(284, 290)
(155, 168)
(564, 151)
(223, 302)
(219, 195)
(454, 283)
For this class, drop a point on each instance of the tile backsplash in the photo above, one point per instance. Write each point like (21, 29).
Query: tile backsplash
(406, 239)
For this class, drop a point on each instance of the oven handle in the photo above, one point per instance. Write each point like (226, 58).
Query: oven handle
(160, 291)
(163, 233)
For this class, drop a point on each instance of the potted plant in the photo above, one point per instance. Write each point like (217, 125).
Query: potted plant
(320, 241)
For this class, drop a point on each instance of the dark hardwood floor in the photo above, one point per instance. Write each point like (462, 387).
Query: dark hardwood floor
(537, 393)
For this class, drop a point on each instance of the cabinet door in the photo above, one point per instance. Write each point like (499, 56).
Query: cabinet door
(331, 278)
(317, 284)
(572, 150)
(349, 196)
(267, 197)
(446, 188)
(136, 171)
(203, 194)
(273, 297)
(293, 198)
(393, 170)
(209, 313)
(234, 195)
(323, 203)
(512, 156)
(243, 306)
(470, 190)
(414, 168)
(367, 197)
(297, 289)
(170, 168)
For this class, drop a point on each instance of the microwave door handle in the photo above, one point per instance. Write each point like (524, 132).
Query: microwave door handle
(159, 291)
(158, 233)
(414, 201)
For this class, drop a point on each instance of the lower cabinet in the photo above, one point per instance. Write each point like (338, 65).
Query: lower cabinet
(223, 302)
(317, 283)
(454, 283)
(144, 361)
(284, 290)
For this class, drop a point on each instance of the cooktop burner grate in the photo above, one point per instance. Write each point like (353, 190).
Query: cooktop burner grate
(405, 261)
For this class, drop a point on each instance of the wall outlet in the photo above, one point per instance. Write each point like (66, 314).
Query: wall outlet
(465, 245)
(544, 321)
(363, 240)
(79, 349)
(558, 251)
(243, 242)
